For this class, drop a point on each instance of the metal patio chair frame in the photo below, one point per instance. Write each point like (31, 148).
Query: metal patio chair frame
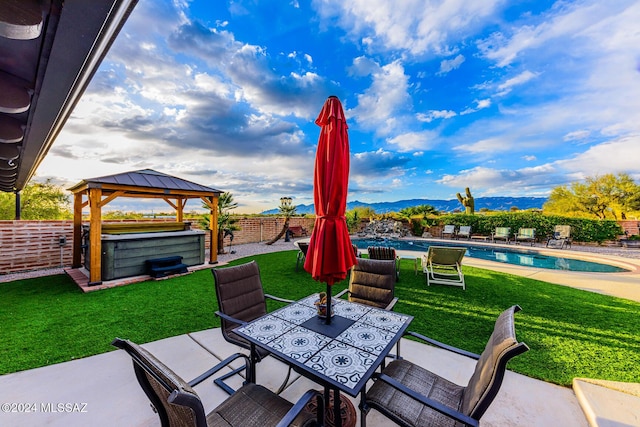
(526, 235)
(177, 403)
(413, 396)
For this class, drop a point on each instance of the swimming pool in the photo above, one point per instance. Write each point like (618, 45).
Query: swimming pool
(513, 256)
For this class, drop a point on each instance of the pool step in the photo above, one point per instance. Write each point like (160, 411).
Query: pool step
(608, 403)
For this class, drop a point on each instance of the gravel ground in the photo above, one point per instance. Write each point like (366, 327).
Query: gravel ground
(240, 251)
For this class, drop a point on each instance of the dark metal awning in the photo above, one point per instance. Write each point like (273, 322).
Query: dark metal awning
(49, 51)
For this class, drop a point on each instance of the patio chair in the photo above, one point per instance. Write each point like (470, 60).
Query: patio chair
(177, 403)
(372, 282)
(302, 253)
(385, 252)
(356, 252)
(241, 299)
(501, 233)
(448, 230)
(526, 235)
(562, 235)
(410, 395)
(443, 265)
(464, 231)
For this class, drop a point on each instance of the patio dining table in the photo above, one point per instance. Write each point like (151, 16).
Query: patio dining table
(341, 356)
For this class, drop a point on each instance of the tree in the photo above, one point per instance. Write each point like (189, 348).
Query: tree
(419, 217)
(288, 210)
(38, 201)
(424, 210)
(226, 222)
(355, 215)
(606, 196)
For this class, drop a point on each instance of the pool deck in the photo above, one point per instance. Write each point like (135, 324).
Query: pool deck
(107, 385)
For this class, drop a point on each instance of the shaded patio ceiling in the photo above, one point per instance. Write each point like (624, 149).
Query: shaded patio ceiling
(49, 51)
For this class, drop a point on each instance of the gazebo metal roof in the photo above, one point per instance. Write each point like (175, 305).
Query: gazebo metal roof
(144, 180)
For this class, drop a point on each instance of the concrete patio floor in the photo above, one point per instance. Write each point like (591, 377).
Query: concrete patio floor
(102, 390)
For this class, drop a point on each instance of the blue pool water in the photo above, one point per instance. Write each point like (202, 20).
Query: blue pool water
(500, 254)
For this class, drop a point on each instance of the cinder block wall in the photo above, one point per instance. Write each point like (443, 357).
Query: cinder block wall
(35, 245)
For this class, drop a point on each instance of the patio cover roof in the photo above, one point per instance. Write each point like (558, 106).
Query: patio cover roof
(49, 51)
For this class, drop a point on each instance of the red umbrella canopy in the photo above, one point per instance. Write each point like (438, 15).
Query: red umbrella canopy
(330, 254)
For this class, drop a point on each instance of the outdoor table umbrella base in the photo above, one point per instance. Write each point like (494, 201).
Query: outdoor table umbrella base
(347, 411)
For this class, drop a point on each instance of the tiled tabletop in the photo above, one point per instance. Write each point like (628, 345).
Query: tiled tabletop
(342, 355)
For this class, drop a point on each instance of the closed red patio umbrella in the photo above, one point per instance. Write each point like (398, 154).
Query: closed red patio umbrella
(330, 254)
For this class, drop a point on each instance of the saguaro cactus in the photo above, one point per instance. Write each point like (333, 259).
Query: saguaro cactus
(467, 201)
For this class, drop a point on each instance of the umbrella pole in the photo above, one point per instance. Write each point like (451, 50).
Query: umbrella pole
(328, 318)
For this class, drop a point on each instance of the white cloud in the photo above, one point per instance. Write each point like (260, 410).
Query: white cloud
(521, 78)
(380, 104)
(412, 141)
(616, 156)
(450, 64)
(576, 135)
(564, 21)
(418, 27)
(490, 145)
(480, 105)
(435, 114)
(485, 181)
(363, 66)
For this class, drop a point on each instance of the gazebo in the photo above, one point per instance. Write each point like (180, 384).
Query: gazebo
(146, 183)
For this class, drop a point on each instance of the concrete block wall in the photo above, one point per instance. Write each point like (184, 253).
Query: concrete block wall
(35, 245)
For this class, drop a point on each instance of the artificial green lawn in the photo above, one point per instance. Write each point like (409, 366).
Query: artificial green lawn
(571, 333)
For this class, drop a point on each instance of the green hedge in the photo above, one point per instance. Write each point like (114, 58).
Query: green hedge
(582, 229)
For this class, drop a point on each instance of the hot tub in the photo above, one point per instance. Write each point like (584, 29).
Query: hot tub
(124, 255)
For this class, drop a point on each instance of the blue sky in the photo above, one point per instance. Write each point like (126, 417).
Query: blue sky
(509, 98)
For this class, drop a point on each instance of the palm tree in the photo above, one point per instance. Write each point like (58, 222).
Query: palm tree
(226, 222)
(288, 210)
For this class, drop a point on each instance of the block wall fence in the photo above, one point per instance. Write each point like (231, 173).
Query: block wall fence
(35, 245)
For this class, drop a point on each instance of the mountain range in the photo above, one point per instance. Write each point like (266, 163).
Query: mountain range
(491, 203)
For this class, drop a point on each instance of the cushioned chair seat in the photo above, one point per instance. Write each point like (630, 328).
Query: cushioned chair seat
(254, 405)
(422, 381)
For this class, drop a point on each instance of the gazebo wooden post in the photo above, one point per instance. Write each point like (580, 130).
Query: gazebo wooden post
(213, 226)
(179, 209)
(95, 236)
(77, 230)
